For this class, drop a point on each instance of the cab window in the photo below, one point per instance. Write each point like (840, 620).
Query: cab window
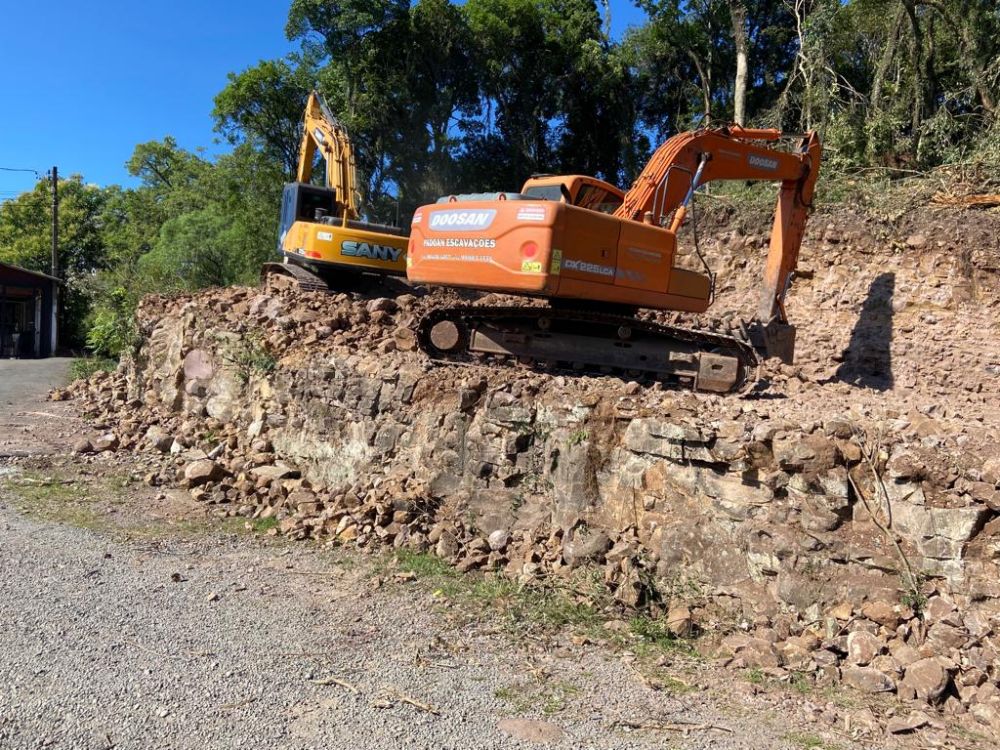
(545, 192)
(597, 199)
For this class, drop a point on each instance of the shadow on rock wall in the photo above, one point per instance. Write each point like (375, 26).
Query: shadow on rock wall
(867, 360)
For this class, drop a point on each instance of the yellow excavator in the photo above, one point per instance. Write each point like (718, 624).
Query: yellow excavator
(321, 235)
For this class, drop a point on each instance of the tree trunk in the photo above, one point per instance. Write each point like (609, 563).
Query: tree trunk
(971, 57)
(706, 87)
(919, 79)
(888, 53)
(738, 14)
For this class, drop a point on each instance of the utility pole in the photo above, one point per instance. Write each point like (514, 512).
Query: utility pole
(55, 259)
(55, 222)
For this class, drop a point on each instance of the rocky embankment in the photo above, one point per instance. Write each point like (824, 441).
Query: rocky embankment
(840, 523)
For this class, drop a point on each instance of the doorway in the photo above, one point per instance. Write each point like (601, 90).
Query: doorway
(18, 328)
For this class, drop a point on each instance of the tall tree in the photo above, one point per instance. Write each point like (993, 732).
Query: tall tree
(263, 106)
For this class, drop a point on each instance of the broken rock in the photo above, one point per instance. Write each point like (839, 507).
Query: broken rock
(867, 680)
(202, 471)
(862, 647)
(927, 679)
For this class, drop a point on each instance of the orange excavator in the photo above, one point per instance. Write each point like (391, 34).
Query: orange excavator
(597, 269)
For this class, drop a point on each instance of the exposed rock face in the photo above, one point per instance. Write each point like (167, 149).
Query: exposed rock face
(783, 508)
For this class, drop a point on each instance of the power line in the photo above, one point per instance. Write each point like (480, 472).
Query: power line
(13, 169)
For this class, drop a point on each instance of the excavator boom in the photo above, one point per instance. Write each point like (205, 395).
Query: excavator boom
(323, 132)
(689, 160)
(597, 268)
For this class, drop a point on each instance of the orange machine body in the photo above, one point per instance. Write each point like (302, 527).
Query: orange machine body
(555, 249)
(550, 249)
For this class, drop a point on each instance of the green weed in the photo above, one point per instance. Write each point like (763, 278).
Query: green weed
(261, 525)
(84, 367)
(808, 741)
(755, 676)
(249, 356)
(546, 696)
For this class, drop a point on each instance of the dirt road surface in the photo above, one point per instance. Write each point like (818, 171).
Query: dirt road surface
(28, 423)
(128, 622)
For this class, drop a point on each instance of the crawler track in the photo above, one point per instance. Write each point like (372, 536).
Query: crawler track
(586, 340)
(305, 279)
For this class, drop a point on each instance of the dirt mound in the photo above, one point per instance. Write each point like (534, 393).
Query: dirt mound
(841, 521)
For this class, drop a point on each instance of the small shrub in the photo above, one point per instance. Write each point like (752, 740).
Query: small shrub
(250, 356)
(84, 367)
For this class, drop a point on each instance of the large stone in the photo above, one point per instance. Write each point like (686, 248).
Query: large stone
(82, 446)
(105, 442)
(498, 540)
(938, 533)
(862, 647)
(202, 471)
(812, 453)
(159, 439)
(447, 545)
(987, 713)
(867, 680)
(668, 440)
(274, 472)
(586, 546)
(906, 724)
(927, 679)
(883, 613)
(679, 620)
(944, 637)
(198, 365)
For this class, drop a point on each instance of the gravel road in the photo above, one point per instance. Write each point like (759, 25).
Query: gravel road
(101, 646)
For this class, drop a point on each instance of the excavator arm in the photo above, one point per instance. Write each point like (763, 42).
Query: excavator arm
(685, 162)
(322, 131)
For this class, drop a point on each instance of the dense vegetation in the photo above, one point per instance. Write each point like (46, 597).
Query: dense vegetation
(443, 97)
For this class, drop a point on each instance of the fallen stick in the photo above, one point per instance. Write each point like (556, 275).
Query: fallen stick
(334, 681)
(399, 695)
(673, 727)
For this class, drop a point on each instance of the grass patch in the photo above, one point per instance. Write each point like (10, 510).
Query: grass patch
(262, 525)
(424, 564)
(55, 498)
(801, 683)
(543, 695)
(582, 605)
(652, 636)
(808, 741)
(84, 367)
(755, 676)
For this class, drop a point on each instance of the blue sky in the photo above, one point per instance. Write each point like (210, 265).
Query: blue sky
(81, 83)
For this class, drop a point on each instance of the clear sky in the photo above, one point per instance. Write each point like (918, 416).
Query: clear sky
(81, 83)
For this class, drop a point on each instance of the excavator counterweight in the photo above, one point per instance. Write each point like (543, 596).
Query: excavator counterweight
(597, 264)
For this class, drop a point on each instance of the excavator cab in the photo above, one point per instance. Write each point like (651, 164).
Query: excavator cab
(302, 202)
(576, 190)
